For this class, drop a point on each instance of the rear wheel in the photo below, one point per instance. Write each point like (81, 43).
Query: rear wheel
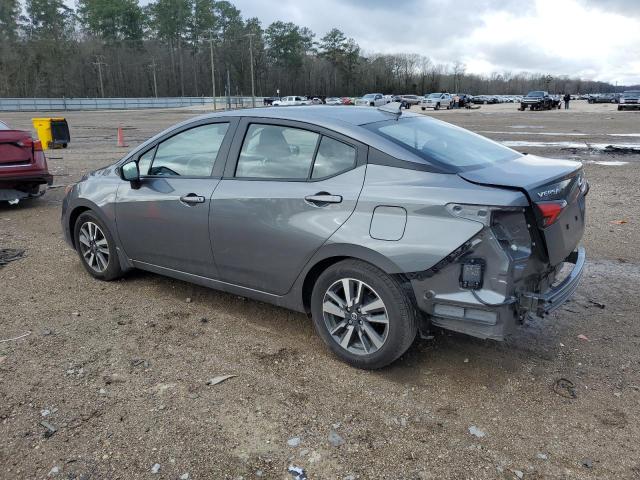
(362, 314)
(96, 247)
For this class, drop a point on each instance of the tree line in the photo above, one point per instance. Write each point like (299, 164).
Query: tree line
(118, 48)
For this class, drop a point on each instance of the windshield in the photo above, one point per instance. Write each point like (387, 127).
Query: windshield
(369, 95)
(443, 143)
(535, 94)
(434, 95)
(4, 126)
(632, 93)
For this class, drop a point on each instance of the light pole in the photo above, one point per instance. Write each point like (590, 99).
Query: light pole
(253, 92)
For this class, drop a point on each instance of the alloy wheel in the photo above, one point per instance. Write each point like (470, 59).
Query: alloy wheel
(94, 246)
(355, 316)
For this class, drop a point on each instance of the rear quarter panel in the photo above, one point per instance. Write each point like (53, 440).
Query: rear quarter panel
(431, 233)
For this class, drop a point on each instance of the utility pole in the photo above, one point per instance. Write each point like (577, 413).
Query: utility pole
(253, 92)
(213, 73)
(99, 63)
(228, 90)
(155, 83)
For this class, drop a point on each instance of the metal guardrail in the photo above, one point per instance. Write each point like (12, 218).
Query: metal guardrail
(62, 104)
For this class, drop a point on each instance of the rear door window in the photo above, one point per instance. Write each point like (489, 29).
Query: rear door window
(272, 151)
(286, 153)
(333, 158)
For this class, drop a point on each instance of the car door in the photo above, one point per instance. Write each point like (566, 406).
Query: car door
(163, 219)
(287, 188)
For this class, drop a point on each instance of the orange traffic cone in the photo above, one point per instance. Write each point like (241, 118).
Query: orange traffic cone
(121, 138)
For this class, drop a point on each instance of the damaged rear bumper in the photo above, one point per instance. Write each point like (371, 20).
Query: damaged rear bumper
(544, 303)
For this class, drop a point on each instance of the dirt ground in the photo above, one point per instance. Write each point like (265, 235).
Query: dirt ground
(120, 369)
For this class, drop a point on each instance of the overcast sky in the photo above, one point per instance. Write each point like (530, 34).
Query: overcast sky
(593, 39)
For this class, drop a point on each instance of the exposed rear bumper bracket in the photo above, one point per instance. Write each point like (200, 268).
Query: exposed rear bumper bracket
(547, 302)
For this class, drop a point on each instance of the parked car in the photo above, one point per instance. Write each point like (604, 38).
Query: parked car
(539, 100)
(446, 229)
(333, 101)
(347, 101)
(437, 101)
(410, 99)
(484, 99)
(23, 166)
(291, 101)
(266, 101)
(371, 100)
(629, 100)
(604, 98)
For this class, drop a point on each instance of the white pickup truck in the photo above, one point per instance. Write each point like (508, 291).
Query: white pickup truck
(437, 101)
(371, 100)
(291, 101)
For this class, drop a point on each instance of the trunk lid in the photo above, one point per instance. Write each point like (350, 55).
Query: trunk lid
(16, 148)
(556, 190)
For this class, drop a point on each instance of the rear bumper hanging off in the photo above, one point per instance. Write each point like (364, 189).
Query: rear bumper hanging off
(547, 302)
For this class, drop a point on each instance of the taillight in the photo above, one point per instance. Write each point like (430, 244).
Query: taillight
(36, 145)
(550, 211)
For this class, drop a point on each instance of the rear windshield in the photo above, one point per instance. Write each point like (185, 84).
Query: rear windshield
(442, 143)
(4, 126)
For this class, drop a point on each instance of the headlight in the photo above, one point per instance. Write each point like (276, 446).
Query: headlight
(622, 100)
(68, 188)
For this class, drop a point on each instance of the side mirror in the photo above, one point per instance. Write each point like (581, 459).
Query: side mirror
(129, 171)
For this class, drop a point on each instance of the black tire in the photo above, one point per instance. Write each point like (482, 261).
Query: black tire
(437, 107)
(112, 270)
(402, 317)
(423, 108)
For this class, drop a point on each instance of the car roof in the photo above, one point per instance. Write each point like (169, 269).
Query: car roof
(332, 117)
(346, 120)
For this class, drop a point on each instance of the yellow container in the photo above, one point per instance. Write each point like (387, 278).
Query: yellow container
(43, 128)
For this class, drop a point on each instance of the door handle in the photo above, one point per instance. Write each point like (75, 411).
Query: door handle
(192, 199)
(323, 198)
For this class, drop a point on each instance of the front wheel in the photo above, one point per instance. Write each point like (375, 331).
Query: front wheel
(96, 247)
(437, 107)
(362, 314)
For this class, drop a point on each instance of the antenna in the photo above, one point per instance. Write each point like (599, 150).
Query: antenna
(395, 108)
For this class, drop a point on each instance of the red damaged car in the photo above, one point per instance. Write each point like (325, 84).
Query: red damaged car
(23, 166)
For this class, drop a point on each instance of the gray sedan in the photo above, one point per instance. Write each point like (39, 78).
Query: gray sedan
(376, 223)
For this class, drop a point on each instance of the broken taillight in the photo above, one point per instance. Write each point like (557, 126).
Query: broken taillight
(550, 211)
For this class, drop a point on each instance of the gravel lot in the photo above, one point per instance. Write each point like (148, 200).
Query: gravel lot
(120, 369)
